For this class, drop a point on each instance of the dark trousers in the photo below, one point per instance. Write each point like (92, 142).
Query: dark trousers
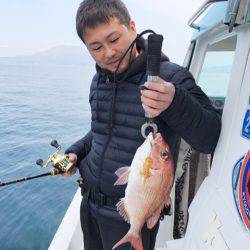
(103, 227)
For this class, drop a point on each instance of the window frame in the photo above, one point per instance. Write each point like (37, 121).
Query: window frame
(189, 55)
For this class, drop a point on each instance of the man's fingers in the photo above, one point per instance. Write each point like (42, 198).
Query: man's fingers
(72, 157)
(159, 95)
(154, 95)
(70, 173)
(66, 174)
(73, 170)
(160, 86)
(152, 103)
(151, 111)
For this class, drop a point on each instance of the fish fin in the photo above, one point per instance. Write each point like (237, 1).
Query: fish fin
(122, 210)
(123, 178)
(134, 239)
(121, 171)
(151, 222)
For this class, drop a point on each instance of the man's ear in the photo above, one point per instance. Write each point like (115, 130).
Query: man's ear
(133, 27)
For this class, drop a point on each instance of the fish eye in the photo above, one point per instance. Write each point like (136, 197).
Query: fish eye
(164, 155)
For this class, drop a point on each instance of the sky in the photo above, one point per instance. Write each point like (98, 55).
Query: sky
(30, 26)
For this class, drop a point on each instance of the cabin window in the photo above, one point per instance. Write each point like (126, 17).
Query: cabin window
(216, 70)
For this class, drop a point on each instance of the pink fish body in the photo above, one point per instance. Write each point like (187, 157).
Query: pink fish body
(149, 183)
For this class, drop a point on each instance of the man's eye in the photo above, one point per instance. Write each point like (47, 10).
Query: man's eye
(96, 49)
(114, 40)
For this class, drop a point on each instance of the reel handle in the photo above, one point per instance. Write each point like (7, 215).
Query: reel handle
(40, 162)
(55, 144)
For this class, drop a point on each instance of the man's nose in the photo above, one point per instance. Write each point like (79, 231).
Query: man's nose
(109, 52)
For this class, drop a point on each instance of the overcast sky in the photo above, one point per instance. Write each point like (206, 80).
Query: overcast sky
(35, 25)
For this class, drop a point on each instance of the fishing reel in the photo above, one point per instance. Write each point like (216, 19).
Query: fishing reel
(60, 163)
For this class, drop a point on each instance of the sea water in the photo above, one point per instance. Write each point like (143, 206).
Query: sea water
(38, 103)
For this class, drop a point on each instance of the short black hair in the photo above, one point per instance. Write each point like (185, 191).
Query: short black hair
(93, 12)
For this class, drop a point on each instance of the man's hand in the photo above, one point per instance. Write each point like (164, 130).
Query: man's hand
(158, 97)
(73, 159)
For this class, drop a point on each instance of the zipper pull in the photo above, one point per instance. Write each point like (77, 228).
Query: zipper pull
(107, 80)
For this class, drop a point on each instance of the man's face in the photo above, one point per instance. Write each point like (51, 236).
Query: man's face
(108, 42)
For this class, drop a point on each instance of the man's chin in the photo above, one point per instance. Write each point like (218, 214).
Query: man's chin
(112, 69)
(120, 70)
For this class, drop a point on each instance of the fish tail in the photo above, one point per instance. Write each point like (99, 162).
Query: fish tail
(134, 239)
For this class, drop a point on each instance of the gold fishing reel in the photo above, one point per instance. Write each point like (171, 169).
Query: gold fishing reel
(60, 163)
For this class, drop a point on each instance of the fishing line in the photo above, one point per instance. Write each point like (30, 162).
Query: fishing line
(130, 48)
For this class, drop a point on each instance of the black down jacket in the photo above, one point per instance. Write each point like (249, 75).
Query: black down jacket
(117, 117)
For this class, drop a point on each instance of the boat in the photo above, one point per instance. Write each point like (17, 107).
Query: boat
(211, 192)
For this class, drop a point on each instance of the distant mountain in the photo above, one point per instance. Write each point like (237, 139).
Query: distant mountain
(5, 51)
(60, 55)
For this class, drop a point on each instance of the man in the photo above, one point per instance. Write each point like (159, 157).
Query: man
(118, 109)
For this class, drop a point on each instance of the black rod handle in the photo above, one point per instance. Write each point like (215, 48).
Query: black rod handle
(154, 54)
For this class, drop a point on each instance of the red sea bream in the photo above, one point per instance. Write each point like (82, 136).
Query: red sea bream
(149, 183)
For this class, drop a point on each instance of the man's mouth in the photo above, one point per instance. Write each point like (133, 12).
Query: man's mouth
(114, 62)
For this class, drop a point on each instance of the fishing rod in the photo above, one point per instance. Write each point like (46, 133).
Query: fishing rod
(61, 164)
(24, 179)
